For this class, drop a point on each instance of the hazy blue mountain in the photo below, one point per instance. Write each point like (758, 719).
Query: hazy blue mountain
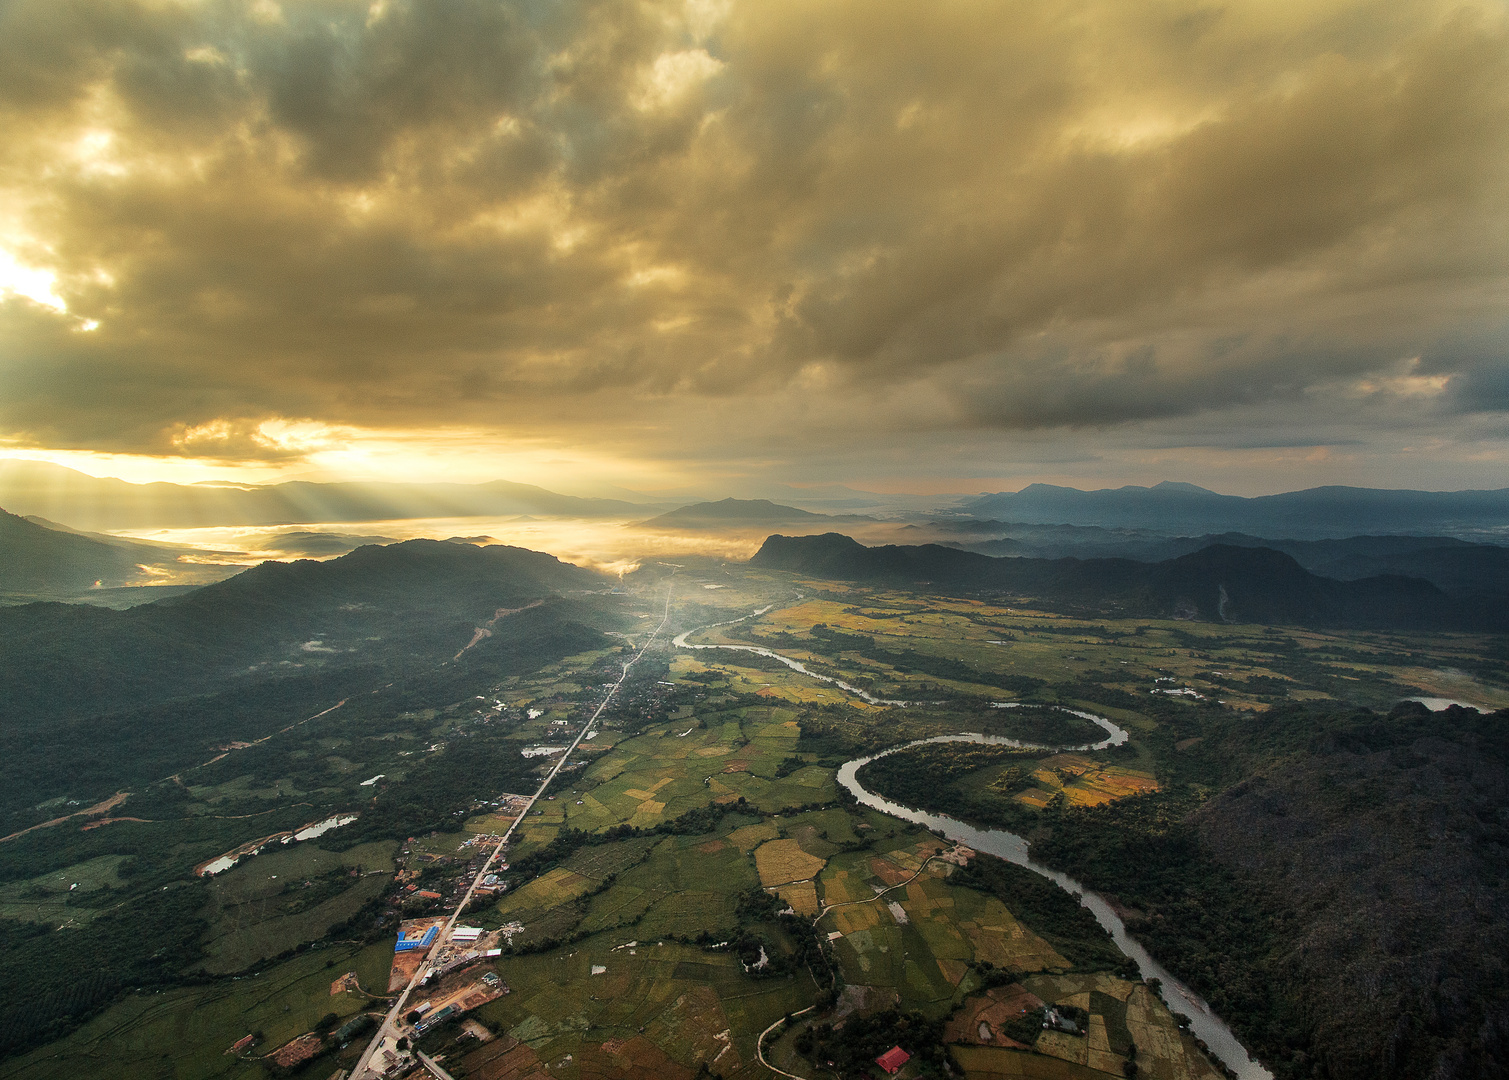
(1316, 513)
(33, 487)
(839, 499)
(731, 512)
(1455, 566)
(1217, 583)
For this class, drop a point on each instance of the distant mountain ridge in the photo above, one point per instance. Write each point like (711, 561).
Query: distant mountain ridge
(96, 504)
(415, 575)
(1315, 513)
(731, 512)
(1455, 566)
(1220, 583)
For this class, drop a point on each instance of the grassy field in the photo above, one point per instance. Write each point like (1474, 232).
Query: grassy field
(240, 948)
(694, 1005)
(285, 898)
(46, 898)
(683, 765)
(1246, 666)
(185, 1033)
(782, 861)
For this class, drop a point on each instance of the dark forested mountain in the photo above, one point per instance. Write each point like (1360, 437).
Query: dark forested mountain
(35, 559)
(1385, 838)
(247, 709)
(1315, 513)
(1453, 565)
(32, 487)
(1220, 583)
(418, 598)
(99, 692)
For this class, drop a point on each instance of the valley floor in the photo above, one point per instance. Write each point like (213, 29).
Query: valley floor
(694, 874)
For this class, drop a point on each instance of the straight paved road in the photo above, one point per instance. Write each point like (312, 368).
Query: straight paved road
(392, 1028)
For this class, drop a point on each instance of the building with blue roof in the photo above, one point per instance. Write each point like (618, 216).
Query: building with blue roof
(411, 944)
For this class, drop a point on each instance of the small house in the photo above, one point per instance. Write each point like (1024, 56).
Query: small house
(892, 1060)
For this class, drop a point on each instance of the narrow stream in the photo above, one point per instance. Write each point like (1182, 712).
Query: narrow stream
(1205, 1024)
(795, 665)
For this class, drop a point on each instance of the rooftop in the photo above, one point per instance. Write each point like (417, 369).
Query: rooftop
(892, 1060)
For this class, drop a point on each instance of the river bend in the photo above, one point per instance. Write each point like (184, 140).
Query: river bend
(1204, 1023)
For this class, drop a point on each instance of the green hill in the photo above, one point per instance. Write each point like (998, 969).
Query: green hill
(114, 697)
(36, 560)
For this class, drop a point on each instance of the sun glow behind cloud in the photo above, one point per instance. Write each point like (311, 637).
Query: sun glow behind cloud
(283, 450)
(19, 279)
(676, 240)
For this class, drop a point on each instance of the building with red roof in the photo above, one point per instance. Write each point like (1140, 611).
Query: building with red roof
(892, 1060)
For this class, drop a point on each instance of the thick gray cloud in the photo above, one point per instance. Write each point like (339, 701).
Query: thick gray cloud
(716, 228)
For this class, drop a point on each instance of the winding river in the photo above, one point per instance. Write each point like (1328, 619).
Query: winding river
(795, 665)
(1205, 1024)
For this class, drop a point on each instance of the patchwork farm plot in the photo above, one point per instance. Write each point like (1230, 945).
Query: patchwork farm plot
(920, 943)
(189, 1031)
(636, 930)
(1081, 780)
(693, 875)
(721, 756)
(907, 642)
(641, 954)
(1119, 1016)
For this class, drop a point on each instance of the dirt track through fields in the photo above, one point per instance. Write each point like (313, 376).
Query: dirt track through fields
(482, 633)
(98, 808)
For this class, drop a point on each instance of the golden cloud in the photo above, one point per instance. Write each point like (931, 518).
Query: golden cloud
(671, 225)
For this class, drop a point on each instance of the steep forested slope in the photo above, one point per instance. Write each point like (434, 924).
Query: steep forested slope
(1334, 883)
(108, 698)
(37, 560)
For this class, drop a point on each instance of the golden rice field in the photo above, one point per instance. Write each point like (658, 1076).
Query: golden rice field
(552, 889)
(782, 861)
(802, 896)
(1084, 782)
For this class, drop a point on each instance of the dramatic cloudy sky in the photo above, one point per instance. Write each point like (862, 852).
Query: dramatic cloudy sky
(953, 245)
